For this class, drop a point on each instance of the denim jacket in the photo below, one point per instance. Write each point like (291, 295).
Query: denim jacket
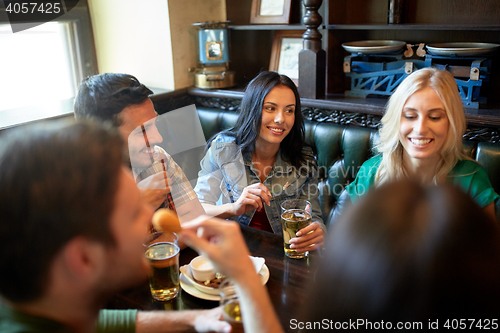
(225, 172)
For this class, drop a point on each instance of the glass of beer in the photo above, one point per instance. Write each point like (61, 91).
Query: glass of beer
(296, 214)
(162, 251)
(230, 303)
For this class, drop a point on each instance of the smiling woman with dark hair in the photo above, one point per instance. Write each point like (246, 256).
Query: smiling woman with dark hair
(262, 161)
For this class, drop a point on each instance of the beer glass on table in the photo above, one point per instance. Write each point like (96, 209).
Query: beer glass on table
(230, 304)
(296, 214)
(162, 251)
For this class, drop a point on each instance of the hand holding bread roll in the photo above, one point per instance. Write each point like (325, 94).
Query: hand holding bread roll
(166, 220)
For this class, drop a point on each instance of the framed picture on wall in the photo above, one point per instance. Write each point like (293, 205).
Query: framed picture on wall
(285, 53)
(270, 11)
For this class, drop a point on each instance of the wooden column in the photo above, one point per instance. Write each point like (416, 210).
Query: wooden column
(312, 59)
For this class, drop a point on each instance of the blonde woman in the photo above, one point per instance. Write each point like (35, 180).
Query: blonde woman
(421, 138)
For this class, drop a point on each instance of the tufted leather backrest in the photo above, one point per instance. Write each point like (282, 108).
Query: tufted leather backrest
(214, 120)
(341, 150)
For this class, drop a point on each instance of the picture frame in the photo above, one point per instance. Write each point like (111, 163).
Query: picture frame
(213, 50)
(270, 12)
(285, 53)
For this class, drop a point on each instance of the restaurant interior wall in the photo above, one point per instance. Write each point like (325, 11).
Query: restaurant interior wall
(153, 41)
(133, 37)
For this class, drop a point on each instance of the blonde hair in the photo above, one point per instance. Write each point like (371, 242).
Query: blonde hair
(443, 83)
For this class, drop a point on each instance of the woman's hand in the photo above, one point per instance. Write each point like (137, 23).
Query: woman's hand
(252, 197)
(308, 238)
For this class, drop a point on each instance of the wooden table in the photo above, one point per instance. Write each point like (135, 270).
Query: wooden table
(286, 286)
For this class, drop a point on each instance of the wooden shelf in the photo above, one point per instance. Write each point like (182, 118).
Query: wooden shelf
(234, 93)
(411, 27)
(269, 27)
(486, 116)
(426, 21)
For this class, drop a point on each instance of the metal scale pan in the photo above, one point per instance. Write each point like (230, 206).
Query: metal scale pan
(374, 46)
(462, 49)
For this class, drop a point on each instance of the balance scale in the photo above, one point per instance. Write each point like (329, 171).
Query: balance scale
(381, 74)
(213, 56)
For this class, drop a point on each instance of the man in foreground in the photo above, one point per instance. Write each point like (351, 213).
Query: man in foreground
(71, 235)
(124, 102)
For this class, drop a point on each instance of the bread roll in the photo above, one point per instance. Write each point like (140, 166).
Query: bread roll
(166, 220)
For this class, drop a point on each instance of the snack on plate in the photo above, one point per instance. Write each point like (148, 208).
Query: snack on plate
(166, 220)
(204, 272)
(213, 283)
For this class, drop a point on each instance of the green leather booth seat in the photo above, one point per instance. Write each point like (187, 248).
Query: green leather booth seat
(341, 150)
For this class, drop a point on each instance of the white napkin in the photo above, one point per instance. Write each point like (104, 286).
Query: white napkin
(258, 263)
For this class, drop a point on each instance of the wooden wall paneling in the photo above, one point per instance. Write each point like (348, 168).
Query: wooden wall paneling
(250, 53)
(458, 12)
(238, 11)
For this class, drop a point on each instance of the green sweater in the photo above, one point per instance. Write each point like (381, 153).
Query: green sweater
(466, 175)
(109, 321)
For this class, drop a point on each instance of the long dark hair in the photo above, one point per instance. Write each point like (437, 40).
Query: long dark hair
(247, 127)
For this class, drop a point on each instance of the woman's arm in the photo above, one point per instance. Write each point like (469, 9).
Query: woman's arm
(490, 211)
(208, 185)
(253, 197)
(223, 211)
(211, 180)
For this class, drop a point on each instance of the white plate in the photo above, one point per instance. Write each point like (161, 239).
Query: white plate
(374, 46)
(188, 287)
(187, 270)
(188, 275)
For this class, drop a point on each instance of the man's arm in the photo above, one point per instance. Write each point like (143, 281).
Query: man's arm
(181, 321)
(133, 321)
(223, 243)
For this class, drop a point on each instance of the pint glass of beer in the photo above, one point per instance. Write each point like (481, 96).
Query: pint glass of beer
(296, 214)
(162, 251)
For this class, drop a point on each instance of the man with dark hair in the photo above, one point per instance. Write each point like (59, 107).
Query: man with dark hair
(71, 230)
(124, 102)
(72, 227)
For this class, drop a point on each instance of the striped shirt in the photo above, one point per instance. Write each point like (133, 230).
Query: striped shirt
(181, 190)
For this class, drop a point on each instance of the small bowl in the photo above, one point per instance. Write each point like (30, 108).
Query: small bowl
(202, 269)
